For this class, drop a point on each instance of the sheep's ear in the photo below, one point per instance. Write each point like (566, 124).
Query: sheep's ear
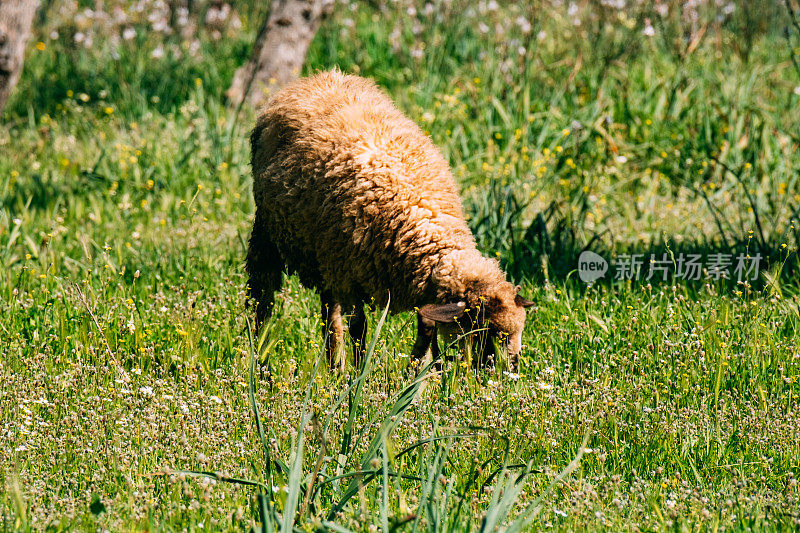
(443, 313)
(522, 302)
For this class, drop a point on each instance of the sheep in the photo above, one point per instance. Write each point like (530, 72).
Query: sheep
(356, 200)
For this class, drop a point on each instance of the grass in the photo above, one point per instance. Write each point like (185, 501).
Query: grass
(127, 364)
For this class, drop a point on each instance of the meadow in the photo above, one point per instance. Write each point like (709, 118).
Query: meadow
(133, 395)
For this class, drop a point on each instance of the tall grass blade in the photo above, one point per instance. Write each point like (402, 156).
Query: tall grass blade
(295, 474)
(355, 399)
(265, 502)
(384, 488)
(390, 423)
(524, 519)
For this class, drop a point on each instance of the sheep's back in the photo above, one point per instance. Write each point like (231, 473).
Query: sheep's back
(358, 199)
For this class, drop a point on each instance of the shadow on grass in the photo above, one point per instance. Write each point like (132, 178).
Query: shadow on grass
(549, 247)
(542, 254)
(44, 190)
(134, 82)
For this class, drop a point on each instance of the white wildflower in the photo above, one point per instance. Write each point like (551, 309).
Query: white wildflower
(523, 24)
(572, 10)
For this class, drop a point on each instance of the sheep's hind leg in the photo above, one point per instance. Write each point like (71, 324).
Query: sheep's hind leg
(265, 267)
(333, 332)
(357, 328)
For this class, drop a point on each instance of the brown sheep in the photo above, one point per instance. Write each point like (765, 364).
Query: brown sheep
(353, 197)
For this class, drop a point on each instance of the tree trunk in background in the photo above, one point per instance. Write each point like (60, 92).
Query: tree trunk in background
(280, 49)
(16, 17)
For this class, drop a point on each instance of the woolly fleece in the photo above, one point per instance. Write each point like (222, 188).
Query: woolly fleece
(353, 197)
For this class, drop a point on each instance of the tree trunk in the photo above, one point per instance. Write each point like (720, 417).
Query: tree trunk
(16, 17)
(280, 49)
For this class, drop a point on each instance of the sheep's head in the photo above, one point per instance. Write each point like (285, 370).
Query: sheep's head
(495, 312)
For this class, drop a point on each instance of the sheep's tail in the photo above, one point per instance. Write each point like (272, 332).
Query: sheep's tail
(255, 136)
(265, 141)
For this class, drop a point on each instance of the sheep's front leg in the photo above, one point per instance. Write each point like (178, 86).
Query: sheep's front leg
(426, 338)
(333, 332)
(357, 328)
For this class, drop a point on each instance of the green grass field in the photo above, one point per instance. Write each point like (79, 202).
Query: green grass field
(125, 209)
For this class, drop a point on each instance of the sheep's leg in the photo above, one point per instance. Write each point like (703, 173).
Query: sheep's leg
(357, 328)
(426, 339)
(265, 267)
(435, 358)
(333, 332)
(488, 355)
